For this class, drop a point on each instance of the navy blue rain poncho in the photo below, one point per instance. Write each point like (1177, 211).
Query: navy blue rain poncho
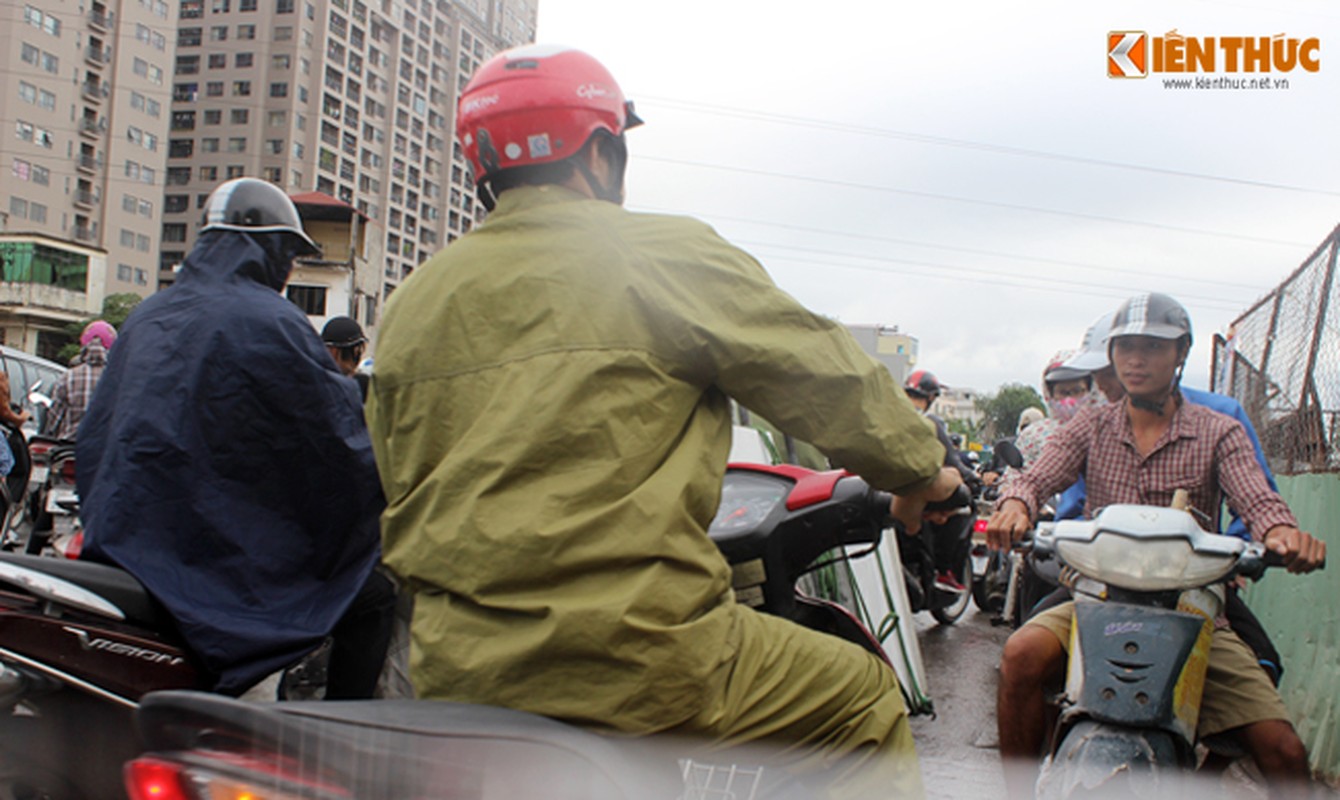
(225, 463)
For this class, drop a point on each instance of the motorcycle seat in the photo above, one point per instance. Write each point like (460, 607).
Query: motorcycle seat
(411, 748)
(114, 585)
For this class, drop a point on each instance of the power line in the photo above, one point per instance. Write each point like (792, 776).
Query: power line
(979, 276)
(954, 248)
(970, 201)
(988, 147)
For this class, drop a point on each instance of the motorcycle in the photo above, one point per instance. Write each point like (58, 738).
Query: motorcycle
(919, 558)
(48, 514)
(773, 525)
(1148, 584)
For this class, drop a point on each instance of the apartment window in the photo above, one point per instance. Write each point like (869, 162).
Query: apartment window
(214, 89)
(237, 144)
(276, 119)
(273, 174)
(178, 176)
(274, 147)
(213, 116)
(192, 9)
(235, 171)
(174, 231)
(239, 116)
(311, 300)
(185, 92)
(284, 6)
(123, 272)
(183, 120)
(241, 88)
(188, 37)
(246, 32)
(302, 94)
(141, 243)
(141, 279)
(186, 65)
(281, 62)
(209, 173)
(181, 148)
(30, 55)
(218, 60)
(220, 6)
(176, 203)
(169, 259)
(127, 238)
(218, 33)
(146, 209)
(209, 144)
(283, 33)
(244, 59)
(128, 203)
(279, 89)
(201, 200)
(246, 5)
(147, 175)
(40, 175)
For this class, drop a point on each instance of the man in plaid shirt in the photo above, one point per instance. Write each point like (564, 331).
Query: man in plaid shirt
(70, 397)
(1140, 451)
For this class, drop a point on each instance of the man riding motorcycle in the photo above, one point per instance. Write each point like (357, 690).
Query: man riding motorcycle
(551, 418)
(1140, 451)
(223, 461)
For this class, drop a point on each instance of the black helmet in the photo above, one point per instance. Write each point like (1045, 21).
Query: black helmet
(251, 205)
(922, 384)
(342, 332)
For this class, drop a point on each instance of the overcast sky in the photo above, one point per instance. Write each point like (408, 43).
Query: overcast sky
(967, 170)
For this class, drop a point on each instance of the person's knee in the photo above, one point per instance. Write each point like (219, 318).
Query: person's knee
(1277, 748)
(1030, 656)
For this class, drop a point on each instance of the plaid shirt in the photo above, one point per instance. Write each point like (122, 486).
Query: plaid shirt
(1204, 452)
(70, 397)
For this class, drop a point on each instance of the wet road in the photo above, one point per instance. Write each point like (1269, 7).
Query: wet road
(957, 747)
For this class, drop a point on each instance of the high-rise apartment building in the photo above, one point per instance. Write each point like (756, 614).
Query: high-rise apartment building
(352, 99)
(84, 122)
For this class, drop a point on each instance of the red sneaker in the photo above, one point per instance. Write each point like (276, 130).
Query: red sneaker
(947, 581)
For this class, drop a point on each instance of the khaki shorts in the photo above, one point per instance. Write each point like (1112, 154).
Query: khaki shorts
(1237, 690)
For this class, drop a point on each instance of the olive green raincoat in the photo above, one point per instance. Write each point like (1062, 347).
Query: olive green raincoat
(549, 413)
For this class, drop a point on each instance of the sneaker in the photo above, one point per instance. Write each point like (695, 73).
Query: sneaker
(947, 581)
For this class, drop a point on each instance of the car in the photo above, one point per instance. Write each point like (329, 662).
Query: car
(30, 375)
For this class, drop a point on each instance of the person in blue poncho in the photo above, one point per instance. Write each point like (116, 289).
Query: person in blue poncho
(225, 463)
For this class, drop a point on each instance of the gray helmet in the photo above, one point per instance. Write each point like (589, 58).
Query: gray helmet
(251, 205)
(1156, 315)
(1092, 354)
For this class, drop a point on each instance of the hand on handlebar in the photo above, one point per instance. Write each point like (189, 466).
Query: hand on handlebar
(1008, 525)
(907, 509)
(1301, 552)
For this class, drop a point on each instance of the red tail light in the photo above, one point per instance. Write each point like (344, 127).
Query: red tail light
(67, 470)
(979, 526)
(151, 779)
(38, 450)
(76, 546)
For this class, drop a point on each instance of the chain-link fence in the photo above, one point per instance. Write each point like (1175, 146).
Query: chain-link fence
(1281, 360)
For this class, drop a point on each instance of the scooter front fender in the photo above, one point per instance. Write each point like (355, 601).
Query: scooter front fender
(1095, 759)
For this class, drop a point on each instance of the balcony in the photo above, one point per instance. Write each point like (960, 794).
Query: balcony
(84, 198)
(100, 19)
(95, 91)
(87, 162)
(84, 233)
(92, 126)
(97, 55)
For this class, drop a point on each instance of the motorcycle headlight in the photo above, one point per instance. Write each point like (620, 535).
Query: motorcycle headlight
(1146, 549)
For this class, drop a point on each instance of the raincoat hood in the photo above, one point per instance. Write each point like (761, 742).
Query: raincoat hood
(222, 255)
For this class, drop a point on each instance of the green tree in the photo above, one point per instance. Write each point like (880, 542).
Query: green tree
(115, 309)
(1000, 411)
(965, 428)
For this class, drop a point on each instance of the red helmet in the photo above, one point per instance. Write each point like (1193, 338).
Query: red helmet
(922, 384)
(535, 105)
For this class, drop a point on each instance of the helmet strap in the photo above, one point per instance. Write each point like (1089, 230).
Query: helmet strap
(617, 153)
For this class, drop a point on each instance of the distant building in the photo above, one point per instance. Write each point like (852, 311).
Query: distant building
(353, 100)
(342, 280)
(896, 350)
(957, 403)
(83, 91)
